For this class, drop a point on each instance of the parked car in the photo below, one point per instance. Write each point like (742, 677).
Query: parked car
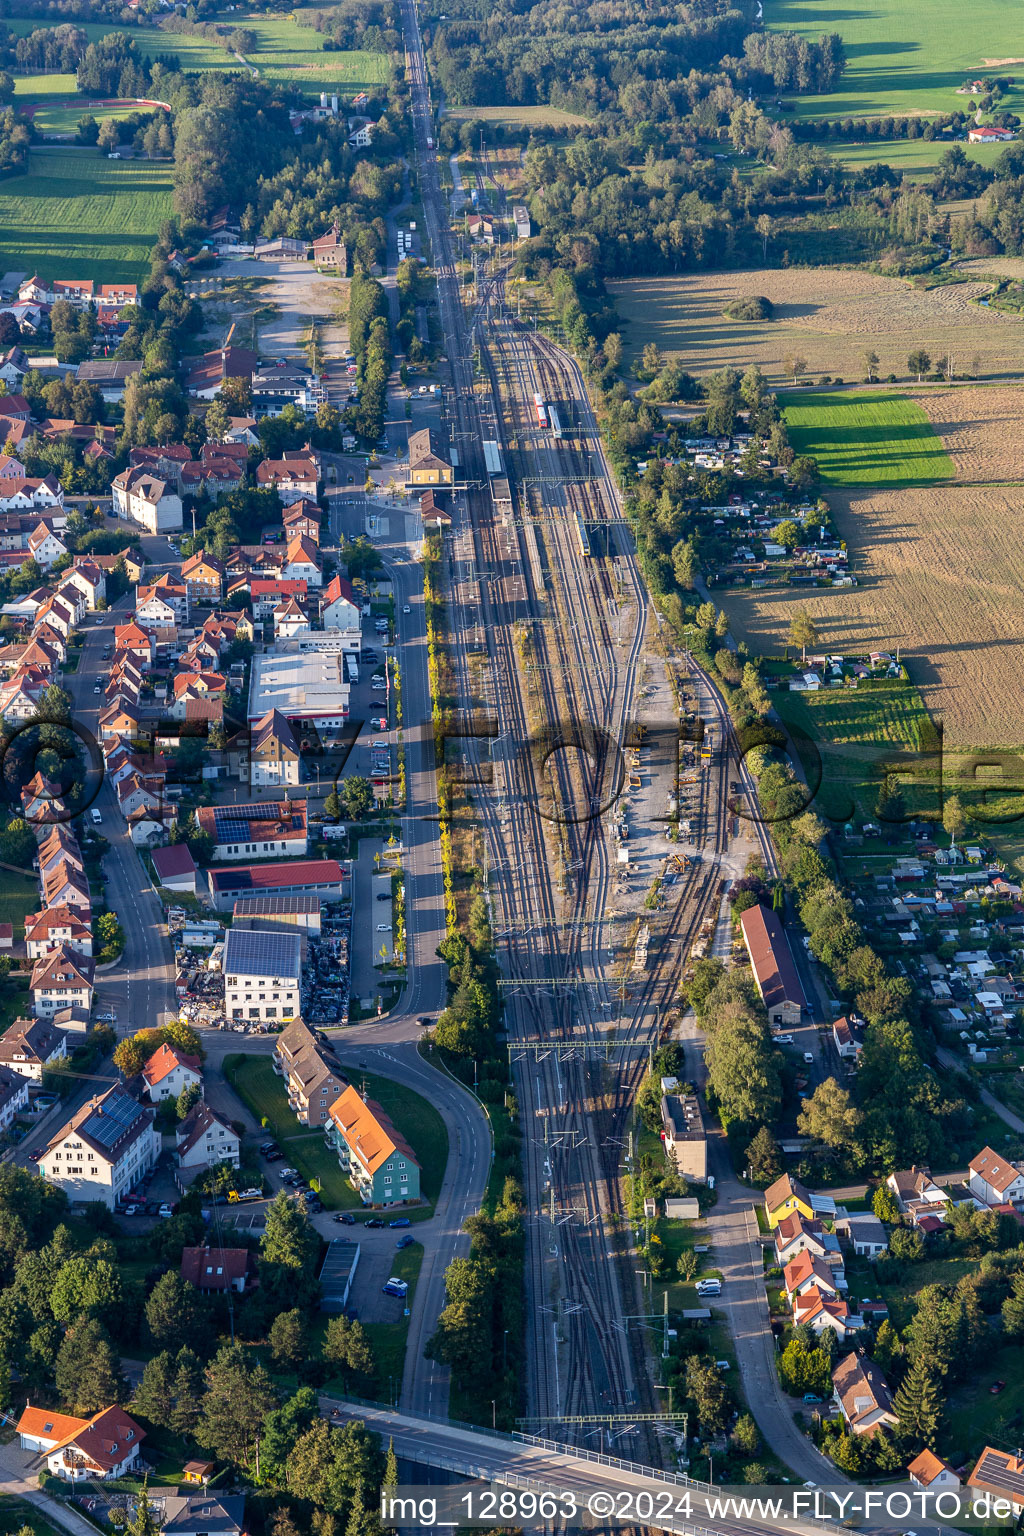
(395, 1287)
(400, 1221)
(346, 1218)
(374, 1221)
(165, 1210)
(383, 927)
(405, 1240)
(406, 608)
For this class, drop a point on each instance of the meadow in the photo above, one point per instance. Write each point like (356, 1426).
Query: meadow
(828, 316)
(530, 117)
(91, 216)
(916, 158)
(907, 57)
(871, 438)
(285, 52)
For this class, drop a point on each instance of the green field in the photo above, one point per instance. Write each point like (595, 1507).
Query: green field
(97, 217)
(906, 57)
(19, 895)
(531, 117)
(867, 439)
(286, 52)
(916, 158)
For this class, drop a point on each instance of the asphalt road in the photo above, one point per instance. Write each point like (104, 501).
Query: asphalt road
(425, 1383)
(141, 988)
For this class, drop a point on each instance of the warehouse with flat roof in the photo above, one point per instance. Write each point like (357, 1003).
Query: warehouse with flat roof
(305, 683)
(323, 878)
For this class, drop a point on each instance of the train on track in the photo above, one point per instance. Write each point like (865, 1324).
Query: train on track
(548, 418)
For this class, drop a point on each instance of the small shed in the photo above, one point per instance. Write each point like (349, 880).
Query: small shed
(682, 1210)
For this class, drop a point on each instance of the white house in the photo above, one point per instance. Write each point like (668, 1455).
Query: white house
(30, 1045)
(103, 1150)
(142, 498)
(78, 1450)
(13, 1095)
(338, 608)
(995, 1179)
(262, 974)
(61, 979)
(930, 1471)
(205, 1139)
(169, 1070)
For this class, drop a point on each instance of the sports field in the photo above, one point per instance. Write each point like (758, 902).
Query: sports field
(867, 438)
(907, 57)
(62, 116)
(97, 217)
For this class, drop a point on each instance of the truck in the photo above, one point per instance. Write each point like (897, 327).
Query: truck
(239, 1196)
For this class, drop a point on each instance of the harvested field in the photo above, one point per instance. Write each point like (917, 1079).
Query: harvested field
(941, 575)
(1001, 266)
(980, 429)
(828, 316)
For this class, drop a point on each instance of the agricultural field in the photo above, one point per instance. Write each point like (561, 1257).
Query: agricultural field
(980, 429)
(530, 117)
(939, 577)
(827, 316)
(907, 57)
(99, 216)
(867, 438)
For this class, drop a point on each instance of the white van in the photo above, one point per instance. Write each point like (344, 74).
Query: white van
(97, 819)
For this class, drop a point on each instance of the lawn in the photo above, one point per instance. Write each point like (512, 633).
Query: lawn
(99, 217)
(906, 57)
(14, 1001)
(531, 117)
(28, 88)
(867, 439)
(19, 895)
(263, 1092)
(976, 1417)
(388, 1340)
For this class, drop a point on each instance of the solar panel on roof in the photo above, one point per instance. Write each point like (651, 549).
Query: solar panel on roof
(255, 952)
(107, 1124)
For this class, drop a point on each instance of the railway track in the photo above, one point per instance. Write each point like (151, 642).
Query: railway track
(580, 1281)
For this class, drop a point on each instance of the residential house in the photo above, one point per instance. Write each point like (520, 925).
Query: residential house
(1000, 1473)
(847, 1037)
(313, 1074)
(257, 831)
(427, 465)
(329, 251)
(864, 1232)
(30, 1045)
(13, 367)
(207, 373)
(995, 1179)
(218, 1270)
(54, 926)
(273, 757)
(13, 1096)
(795, 1234)
(294, 475)
(118, 720)
(302, 562)
(90, 579)
(45, 547)
(262, 975)
(290, 620)
(166, 589)
(134, 640)
(204, 1139)
(103, 1150)
(170, 1070)
(786, 1197)
(144, 499)
(862, 1395)
(175, 868)
(203, 576)
(200, 1514)
(380, 1163)
(65, 886)
(302, 520)
(106, 1445)
(808, 1272)
(916, 1191)
(338, 606)
(931, 1472)
(771, 961)
(824, 1311)
(61, 979)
